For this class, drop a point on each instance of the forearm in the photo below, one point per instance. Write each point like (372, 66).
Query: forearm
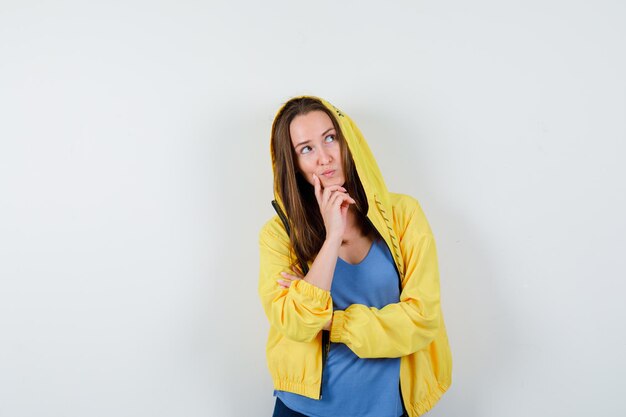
(298, 312)
(396, 330)
(323, 268)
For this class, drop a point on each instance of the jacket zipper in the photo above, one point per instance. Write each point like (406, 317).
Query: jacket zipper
(325, 348)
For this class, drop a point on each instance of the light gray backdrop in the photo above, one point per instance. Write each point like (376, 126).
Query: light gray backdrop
(135, 176)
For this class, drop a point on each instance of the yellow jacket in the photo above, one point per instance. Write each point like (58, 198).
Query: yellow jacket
(412, 329)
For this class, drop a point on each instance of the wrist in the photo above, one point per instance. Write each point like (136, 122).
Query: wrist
(334, 239)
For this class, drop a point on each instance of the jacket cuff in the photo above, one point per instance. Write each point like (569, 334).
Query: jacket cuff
(336, 329)
(315, 293)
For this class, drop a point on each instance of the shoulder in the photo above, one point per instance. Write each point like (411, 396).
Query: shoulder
(408, 212)
(403, 202)
(405, 205)
(274, 244)
(273, 229)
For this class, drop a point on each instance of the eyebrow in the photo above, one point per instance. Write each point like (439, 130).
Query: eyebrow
(308, 140)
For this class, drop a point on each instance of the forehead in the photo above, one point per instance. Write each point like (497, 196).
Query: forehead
(309, 126)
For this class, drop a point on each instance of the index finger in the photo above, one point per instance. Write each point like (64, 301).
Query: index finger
(317, 185)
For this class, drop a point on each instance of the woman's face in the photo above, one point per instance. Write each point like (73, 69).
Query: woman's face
(314, 140)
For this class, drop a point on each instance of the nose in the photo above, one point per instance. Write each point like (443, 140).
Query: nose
(324, 156)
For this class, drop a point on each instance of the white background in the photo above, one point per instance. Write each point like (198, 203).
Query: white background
(135, 176)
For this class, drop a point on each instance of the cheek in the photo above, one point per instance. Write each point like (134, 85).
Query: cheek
(306, 170)
(303, 167)
(338, 156)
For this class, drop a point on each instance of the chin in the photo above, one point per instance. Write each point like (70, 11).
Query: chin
(334, 181)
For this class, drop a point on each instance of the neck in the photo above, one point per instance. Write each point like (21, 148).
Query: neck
(353, 229)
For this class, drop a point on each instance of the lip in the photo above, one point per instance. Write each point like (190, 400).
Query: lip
(328, 173)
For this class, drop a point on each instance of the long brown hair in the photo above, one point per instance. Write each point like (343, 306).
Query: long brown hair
(308, 232)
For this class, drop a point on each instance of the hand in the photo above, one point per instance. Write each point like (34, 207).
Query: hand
(287, 279)
(334, 202)
(328, 325)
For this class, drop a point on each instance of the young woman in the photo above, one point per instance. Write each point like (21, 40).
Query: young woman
(348, 278)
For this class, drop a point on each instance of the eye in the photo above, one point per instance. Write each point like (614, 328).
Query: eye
(329, 138)
(305, 149)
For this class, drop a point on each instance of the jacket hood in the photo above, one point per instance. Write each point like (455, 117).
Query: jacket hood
(366, 165)
(378, 197)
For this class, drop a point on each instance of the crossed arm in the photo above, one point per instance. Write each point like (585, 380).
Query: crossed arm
(300, 309)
